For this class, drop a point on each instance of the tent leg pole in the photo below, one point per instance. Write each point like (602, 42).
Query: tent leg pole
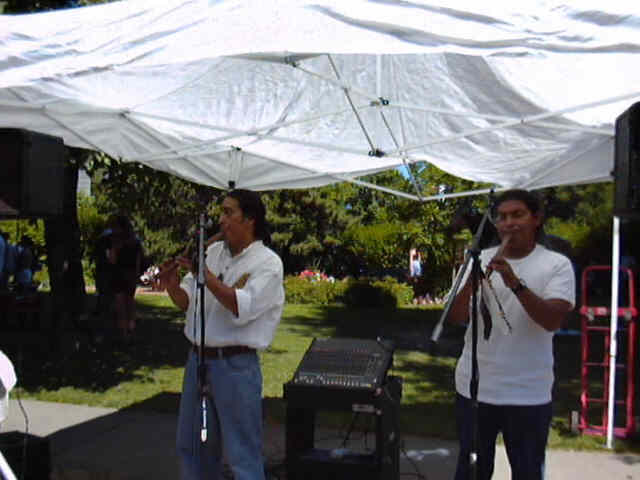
(613, 345)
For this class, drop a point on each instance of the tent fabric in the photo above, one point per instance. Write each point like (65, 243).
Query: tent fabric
(297, 94)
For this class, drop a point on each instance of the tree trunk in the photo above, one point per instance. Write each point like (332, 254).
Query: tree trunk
(64, 253)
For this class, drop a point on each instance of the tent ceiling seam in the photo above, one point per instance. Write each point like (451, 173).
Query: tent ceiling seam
(166, 144)
(235, 132)
(47, 114)
(500, 118)
(532, 120)
(549, 170)
(10, 104)
(575, 128)
(181, 87)
(335, 176)
(182, 121)
(170, 153)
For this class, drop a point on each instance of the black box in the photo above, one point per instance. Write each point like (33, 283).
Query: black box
(32, 182)
(28, 453)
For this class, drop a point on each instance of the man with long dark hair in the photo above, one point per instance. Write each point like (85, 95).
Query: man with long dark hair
(244, 297)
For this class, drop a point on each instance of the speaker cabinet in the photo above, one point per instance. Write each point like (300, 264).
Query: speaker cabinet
(28, 456)
(627, 163)
(32, 180)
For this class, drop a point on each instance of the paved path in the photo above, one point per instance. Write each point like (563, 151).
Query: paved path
(107, 444)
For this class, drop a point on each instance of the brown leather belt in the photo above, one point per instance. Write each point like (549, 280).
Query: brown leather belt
(220, 352)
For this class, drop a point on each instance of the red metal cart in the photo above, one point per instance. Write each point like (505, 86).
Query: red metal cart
(596, 325)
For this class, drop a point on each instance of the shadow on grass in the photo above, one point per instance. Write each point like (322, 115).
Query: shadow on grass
(89, 358)
(408, 328)
(428, 400)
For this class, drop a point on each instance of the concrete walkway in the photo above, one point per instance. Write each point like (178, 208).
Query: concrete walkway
(107, 444)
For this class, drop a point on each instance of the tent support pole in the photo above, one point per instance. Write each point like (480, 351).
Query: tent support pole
(613, 345)
(353, 107)
(412, 178)
(532, 119)
(275, 138)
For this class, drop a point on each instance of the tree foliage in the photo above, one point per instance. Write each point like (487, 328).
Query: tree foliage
(164, 209)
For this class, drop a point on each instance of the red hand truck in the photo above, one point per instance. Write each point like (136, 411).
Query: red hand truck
(595, 314)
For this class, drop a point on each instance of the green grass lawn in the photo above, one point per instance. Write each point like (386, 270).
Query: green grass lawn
(148, 375)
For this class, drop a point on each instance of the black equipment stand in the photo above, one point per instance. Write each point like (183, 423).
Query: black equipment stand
(326, 380)
(476, 276)
(202, 369)
(307, 462)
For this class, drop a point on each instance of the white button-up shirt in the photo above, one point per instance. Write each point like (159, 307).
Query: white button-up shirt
(257, 276)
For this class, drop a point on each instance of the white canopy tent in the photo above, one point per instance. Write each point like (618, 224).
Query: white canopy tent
(297, 94)
(293, 94)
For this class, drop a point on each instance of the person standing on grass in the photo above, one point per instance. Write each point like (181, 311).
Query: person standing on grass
(125, 255)
(24, 267)
(244, 298)
(4, 274)
(536, 288)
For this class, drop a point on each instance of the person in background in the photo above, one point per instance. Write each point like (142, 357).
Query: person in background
(536, 288)
(243, 300)
(24, 268)
(415, 264)
(104, 308)
(125, 256)
(4, 277)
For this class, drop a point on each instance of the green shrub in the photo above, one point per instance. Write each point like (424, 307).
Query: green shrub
(364, 292)
(302, 290)
(385, 293)
(361, 293)
(402, 292)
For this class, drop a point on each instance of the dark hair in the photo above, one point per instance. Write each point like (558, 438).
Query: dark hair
(124, 224)
(530, 199)
(252, 207)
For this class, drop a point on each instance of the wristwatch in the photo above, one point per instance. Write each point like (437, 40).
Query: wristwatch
(519, 287)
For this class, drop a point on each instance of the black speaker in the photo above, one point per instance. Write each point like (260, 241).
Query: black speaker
(29, 456)
(627, 163)
(32, 180)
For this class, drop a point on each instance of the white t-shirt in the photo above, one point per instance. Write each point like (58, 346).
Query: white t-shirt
(257, 275)
(516, 368)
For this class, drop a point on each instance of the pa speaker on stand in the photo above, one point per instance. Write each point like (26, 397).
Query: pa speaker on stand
(32, 180)
(627, 164)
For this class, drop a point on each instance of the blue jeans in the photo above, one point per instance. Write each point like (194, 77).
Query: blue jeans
(234, 417)
(524, 428)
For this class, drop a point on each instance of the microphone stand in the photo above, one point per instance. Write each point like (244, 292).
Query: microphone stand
(475, 247)
(476, 275)
(202, 368)
(5, 469)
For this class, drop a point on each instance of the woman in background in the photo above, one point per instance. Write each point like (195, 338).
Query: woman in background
(125, 254)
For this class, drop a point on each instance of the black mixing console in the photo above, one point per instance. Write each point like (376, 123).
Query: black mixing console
(348, 363)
